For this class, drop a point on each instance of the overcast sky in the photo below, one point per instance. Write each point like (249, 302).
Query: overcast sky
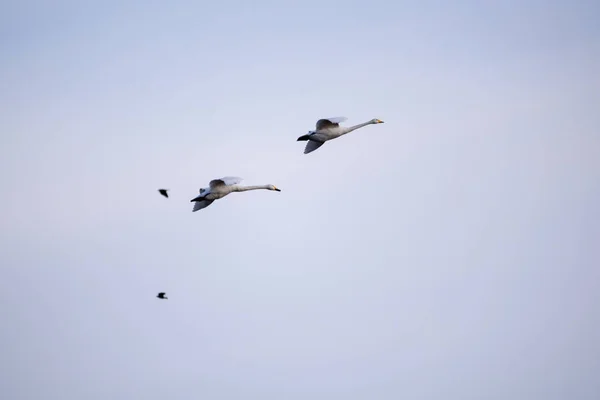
(450, 253)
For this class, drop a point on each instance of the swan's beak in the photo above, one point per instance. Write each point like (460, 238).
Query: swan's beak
(277, 189)
(379, 121)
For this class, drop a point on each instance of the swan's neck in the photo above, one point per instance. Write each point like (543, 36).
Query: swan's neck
(355, 127)
(244, 188)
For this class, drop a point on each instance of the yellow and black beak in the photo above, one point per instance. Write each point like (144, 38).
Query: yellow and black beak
(277, 189)
(379, 121)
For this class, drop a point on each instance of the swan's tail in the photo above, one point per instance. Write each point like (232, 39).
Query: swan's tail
(200, 197)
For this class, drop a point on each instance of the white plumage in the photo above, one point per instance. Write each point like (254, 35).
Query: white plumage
(219, 188)
(328, 129)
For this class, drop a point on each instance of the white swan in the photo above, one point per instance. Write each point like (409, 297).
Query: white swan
(328, 129)
(219, 188)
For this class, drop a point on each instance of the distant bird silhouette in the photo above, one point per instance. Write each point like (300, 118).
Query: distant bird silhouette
(164, 192)
(161, 295)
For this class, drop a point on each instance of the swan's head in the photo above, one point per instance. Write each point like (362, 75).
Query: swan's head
(376, 121)
(272, 187)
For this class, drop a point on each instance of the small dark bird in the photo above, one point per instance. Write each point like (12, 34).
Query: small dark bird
(163, 192)
(161, 295)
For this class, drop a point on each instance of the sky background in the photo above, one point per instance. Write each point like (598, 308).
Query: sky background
(450, 253)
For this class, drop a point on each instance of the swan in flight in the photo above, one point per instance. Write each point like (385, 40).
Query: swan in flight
(219, 188)
(328, 129)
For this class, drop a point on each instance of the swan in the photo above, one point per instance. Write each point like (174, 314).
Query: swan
(219, 188)
(328, 129)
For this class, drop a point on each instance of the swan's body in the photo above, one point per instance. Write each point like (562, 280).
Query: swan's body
(219, 188)
(328, 129)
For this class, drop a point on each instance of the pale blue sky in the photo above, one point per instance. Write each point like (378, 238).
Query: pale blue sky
(450, 253)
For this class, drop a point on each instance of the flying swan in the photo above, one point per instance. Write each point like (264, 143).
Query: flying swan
(219, 188)
(328, 129)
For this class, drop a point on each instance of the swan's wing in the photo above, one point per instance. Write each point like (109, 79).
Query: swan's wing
(329, 122)
(199, 205)
(232, 180)
(336, 120)
(228, 181)
(312, 146)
